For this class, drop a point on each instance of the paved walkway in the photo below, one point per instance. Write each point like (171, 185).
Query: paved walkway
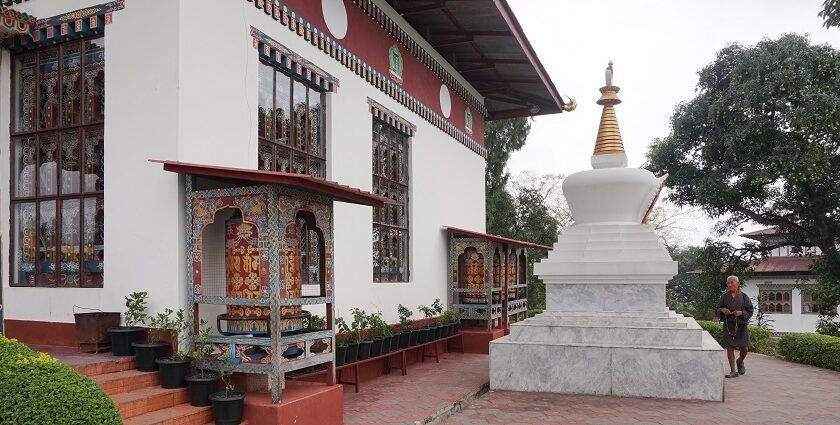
(772, 392)
(428, 389)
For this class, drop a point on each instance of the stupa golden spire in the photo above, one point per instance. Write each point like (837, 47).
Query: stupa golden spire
(609, 136)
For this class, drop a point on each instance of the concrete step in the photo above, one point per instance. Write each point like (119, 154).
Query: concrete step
(601, 322)
(146, 400)
(109, 364)
(126, 381)
(629, 335)
(182, 414)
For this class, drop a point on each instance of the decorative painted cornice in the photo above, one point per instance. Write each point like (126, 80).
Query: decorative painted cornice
(13, 22)
(395, 30)
(391, 118)
(329, 46)
(281, 57)
(68, 26)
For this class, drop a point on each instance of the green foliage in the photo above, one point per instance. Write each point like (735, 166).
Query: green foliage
(135, 308)
(180, 325)
(760, 339)
(830, 13)
(437, 307)
(202, 349)
(759, 143)
(828, 325)
(224, 368)
(761, 319)
(378, 325)
(428, 312)
(811, 349)
(36, 389)
(534, 311)
(405, 317)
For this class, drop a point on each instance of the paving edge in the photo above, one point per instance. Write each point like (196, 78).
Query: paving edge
(455, 407)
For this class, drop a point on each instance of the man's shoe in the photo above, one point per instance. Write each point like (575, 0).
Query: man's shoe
(732, 375)
(741, 369)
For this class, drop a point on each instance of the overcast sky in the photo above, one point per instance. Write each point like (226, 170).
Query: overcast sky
(656, 47)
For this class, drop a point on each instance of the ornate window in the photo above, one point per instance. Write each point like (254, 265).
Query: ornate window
(775, 301)
(808, 305)
(390, 223)
(57, 165)
(290, 125)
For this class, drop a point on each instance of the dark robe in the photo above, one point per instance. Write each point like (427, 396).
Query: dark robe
(736, 332)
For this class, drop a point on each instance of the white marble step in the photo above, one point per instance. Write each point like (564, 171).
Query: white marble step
(665, 323)
(610, 315)
(629, 334)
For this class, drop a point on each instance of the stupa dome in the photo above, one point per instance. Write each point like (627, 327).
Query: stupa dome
(611, 193)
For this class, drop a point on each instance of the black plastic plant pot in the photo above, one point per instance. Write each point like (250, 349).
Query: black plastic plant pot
(227, 407)
(201, 387)
(457, 327)
(340, 355)
(386, 344)
(424, 336)
(441, 332)
(450, 329)
(352, 353)
(403, 340)
(122, 337)
(414, 335)
(173, 372)
(146, 352)
(376, 347)
(364, 349)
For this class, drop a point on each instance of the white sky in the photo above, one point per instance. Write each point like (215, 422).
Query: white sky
(656, 47)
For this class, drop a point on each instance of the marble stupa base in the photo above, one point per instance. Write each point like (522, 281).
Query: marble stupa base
(643, 354)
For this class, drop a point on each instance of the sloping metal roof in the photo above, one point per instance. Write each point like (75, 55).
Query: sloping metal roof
(484, 42)
(783, 265)
(305, 182)
(495, 238)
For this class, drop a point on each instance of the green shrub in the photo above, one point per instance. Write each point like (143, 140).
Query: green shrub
(37, 389)
(811, 349)
(828, 325)
(760, 339)
(534, 311)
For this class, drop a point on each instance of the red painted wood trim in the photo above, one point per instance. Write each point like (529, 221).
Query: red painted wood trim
(495, 238)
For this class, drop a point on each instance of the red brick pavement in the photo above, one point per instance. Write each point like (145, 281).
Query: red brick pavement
(427, 389)
(772, 392)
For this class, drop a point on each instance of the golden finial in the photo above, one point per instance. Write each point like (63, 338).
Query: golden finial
(608, 140)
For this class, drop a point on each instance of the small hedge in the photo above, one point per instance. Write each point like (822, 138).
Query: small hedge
(760, 340)
(811, 349)
(37, 389)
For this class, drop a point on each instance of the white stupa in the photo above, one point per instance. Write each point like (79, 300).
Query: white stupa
(606, 329)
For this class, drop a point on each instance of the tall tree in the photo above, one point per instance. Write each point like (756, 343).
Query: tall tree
(830, 13)
(761, 143)
(502, 138)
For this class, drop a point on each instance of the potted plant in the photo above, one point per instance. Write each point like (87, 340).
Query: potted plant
(359, 326)
(351, 338)
(174, 368)
(409, 336)
(227, 404)
(340, 350)
(135, 314)
(426, 334)
(146, 352)
(381, 335)
(440, 328)
(395, 337)
(201, 383)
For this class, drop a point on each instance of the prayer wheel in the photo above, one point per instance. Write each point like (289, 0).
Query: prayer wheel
(242, 269)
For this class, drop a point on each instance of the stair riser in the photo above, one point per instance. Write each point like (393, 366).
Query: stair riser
(156, 402)
(105, 367)
(125, 385)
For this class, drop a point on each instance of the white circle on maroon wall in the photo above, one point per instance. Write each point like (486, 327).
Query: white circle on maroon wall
(335, 15)
(445, 101)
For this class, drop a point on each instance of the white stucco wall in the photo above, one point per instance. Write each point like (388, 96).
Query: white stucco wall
(142, 207)
(796, 321)
(187, 90)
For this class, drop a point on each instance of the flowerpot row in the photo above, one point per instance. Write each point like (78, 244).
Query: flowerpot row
(151, 355)
(380, 345)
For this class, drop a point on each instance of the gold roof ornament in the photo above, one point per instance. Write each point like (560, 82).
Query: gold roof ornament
(608, 140)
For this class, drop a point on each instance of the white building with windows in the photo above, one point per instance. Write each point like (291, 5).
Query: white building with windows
(780, 285)
(367, 93)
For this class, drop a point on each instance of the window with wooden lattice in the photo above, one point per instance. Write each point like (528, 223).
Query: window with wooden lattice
(390, 222)
(57, 165)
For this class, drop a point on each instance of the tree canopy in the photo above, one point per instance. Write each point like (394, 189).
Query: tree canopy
(830, 13)
(761, 143)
